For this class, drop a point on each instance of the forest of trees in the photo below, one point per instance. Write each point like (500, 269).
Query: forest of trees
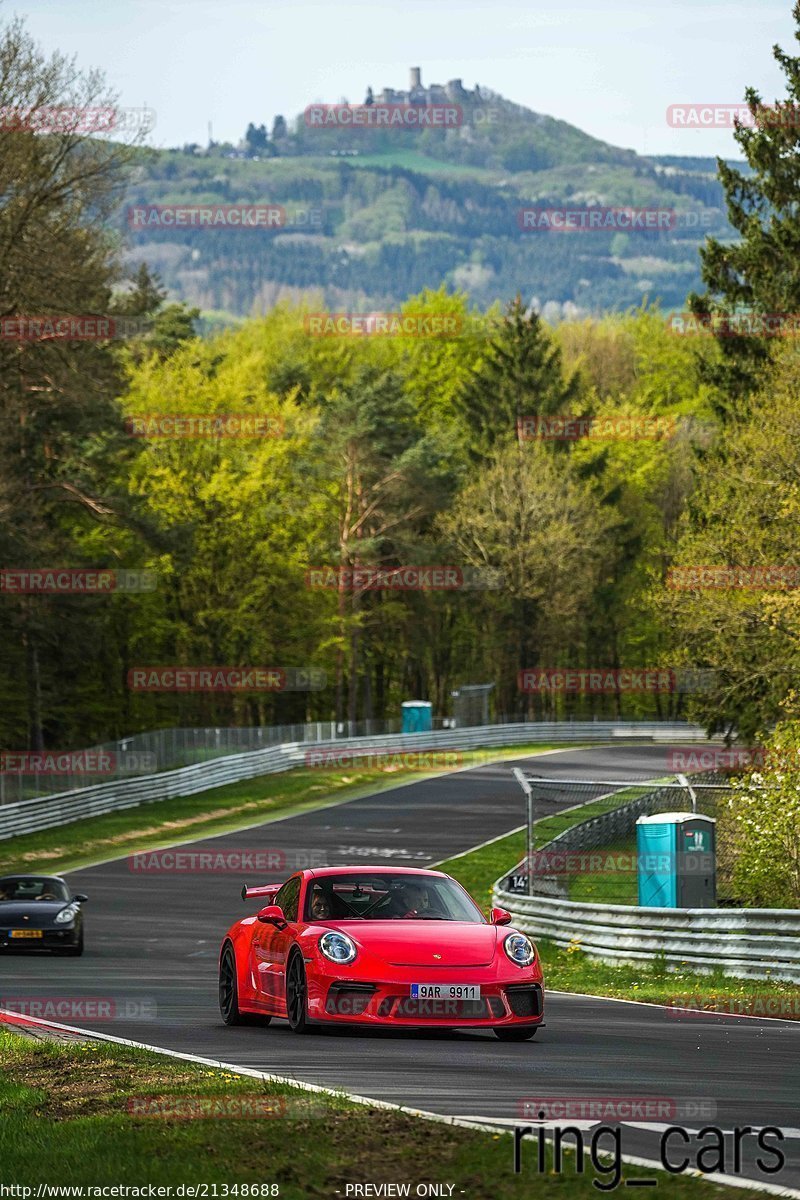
(390, 451)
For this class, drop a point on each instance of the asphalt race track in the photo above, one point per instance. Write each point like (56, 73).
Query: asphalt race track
(153, 939)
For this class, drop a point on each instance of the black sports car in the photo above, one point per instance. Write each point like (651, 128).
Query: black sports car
(38, 912)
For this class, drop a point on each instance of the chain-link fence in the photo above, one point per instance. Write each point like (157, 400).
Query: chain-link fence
(582, 842)
(44, 773)
(26, 775)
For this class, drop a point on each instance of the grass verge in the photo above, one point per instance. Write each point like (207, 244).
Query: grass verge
(76, 1114)
(221, 810)
(608, 887)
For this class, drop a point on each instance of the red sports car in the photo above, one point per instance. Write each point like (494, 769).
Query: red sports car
(368, 946)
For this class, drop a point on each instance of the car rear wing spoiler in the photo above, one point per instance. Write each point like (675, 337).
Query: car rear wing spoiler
(269, 890)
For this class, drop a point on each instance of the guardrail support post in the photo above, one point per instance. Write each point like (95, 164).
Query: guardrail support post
(684, 782)
(528, 790)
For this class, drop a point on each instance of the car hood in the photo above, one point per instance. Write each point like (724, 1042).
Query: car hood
(38, 913)
(413, 943)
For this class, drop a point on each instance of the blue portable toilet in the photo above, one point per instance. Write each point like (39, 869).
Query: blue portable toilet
(417, 716)
(676, 860)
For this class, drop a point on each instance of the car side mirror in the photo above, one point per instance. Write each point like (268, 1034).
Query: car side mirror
(79, 896)
(272, 915)
(499, 916)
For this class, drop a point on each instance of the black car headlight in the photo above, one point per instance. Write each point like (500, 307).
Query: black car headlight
(520, 949)
(338, 947)
(67, 914)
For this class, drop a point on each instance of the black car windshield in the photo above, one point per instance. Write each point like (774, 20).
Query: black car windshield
(32, 887)
(387, 897)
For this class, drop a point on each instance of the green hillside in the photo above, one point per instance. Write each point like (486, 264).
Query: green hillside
(375, 215)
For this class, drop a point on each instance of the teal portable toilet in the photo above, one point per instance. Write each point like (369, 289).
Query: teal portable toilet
(676, 860)
(417, 716)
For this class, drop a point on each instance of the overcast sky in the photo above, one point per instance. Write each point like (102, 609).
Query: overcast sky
(611, 68)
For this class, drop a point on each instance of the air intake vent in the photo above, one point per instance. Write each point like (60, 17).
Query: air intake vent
(524, 1000)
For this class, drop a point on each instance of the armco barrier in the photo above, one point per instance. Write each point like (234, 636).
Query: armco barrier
(757, 943)
(29, 816)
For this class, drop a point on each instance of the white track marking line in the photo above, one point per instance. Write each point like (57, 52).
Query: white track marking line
(485, 1125)
(691, 1014)
(311, 808)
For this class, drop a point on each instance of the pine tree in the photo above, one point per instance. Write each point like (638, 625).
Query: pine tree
(519, 376)
(760, 272)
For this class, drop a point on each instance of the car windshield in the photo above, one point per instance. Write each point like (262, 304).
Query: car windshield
(388, 897)
(32, 887)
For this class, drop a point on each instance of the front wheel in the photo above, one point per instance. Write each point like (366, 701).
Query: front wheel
(297, 995)
(522, 1033)
(77, 949)
(228, 989)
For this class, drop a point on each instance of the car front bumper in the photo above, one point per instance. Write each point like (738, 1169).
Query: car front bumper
(511, 1000)
(51, 939)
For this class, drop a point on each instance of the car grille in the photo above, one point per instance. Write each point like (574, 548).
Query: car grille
(349, 999)
(410, 1007)
(525, 1000)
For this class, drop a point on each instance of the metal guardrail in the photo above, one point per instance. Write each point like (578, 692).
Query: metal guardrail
(30, 816)
(757, 943)
(160, 750)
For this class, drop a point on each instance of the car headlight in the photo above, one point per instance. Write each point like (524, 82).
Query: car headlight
(519, 949)
(338, 947)
(67, 914)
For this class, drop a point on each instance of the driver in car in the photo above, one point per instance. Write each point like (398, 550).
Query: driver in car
(416, 899)
(320, 906)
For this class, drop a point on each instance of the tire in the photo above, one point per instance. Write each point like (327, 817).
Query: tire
(297, 995)
(522, 1033)
(77, 949)
(228, 989)
(229, 994)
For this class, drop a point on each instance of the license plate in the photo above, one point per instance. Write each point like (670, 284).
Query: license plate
(25, 933)
(445, 991)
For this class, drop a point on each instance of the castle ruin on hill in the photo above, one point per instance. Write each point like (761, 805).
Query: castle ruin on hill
(454, 92)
